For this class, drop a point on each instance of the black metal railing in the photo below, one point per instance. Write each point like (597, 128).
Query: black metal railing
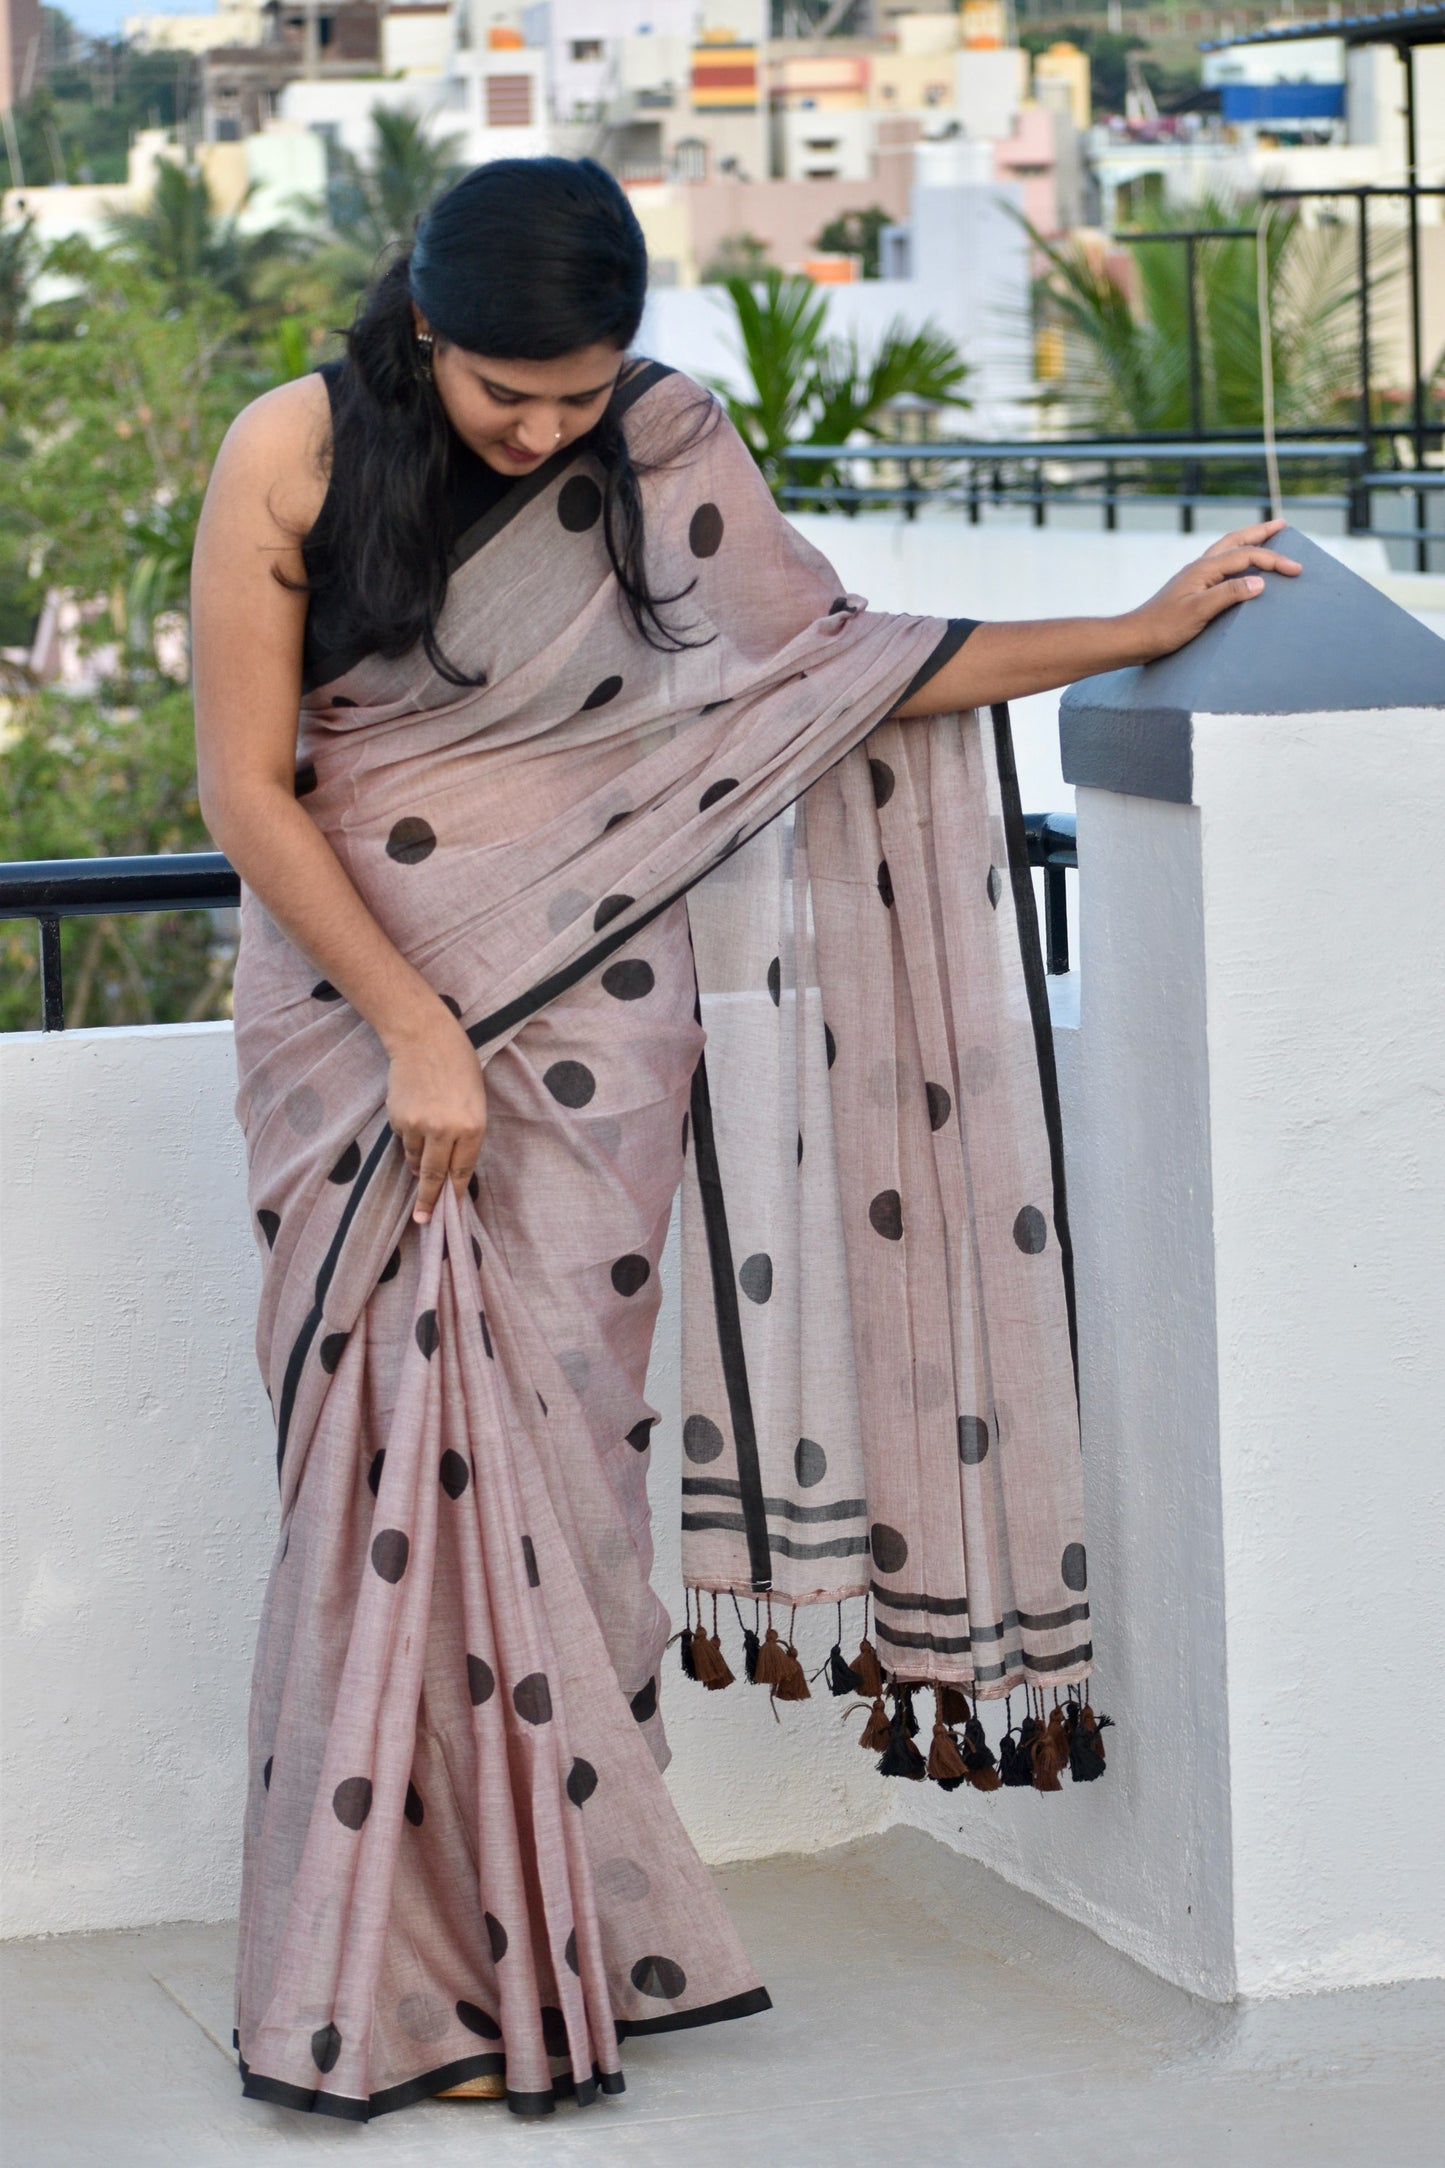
(52, 889)
(1104, 473)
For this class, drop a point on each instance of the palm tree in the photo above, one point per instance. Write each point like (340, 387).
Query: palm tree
(808, 388)
(182, 240)
(1126, 342)
(373, 204)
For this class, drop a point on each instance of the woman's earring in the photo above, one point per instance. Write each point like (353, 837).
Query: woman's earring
(424, 343)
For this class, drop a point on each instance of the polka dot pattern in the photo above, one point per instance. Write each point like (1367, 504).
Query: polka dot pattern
(602, 695)
(883, 781)
(630, 1274)
(428, 1333)
(481, 1681)
(529, 1561)
(885, 1215)
(775, 982)
(888, 1546)
(453, 1473)
(609, 908)
(389, 1553)
(885, 883)
(581, 1782)
(411, 841)
(640, 1435)
(323, 990)
(659, 1976)
(994, 885)
(351, 1801)
(1074, 1567)
(270, 1226)
(702, 1441)
(630, 980)
(477, 2021)
(716, 791)
(554, 2030)
(571, 1083)
(569, 1954)
(972, 1439)
(810, 1462)
(644, 1702)
(1031, 1230)
(705, 531)
(373, 1473)
(412, 1807)
(755, 1277)
(532, 1698)
(326, 2048)
(940, 1105)
(579, 504)
(333, 1347)
(623, 1882)
(266, 1772)
(390, 1269)
(305, 780)
(348, 1166)
(497, 1937)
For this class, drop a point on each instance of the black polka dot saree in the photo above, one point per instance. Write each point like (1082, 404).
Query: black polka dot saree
(709, 918)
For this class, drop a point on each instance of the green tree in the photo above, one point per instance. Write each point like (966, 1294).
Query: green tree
(373, 204)
(186, 245)
(107, 777)
(737, 256)
(1126, 341)
(805, 387)
(17, 263)
(855, 233)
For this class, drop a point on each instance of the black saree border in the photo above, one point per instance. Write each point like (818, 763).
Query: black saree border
(1031, 956)
(348, 2108)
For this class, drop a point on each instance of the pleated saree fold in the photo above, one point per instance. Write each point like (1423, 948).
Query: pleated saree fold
(460, 1857)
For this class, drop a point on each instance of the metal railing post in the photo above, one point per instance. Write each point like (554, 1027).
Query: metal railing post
(52, 986)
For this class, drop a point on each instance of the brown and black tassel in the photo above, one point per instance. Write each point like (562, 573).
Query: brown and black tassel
(901, 1758)
(953, 1708)
(684, 1646)
(792, 1683)
(945, 1763)
(978, 1758)
(1086, 1744)
(1049, 1753)
(768, 1666)
(867, 1669)
(842, 1678)
(876, 1732)
(1014, 1766)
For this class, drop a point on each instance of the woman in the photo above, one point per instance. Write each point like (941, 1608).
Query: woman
(556, 657)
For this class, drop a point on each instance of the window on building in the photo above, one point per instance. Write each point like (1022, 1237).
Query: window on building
(689, 159)
(586, 49)
(509, 101)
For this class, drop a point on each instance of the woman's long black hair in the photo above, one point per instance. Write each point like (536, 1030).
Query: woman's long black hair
(523, 259)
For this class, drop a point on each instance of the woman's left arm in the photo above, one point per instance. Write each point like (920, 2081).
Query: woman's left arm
(1005, 661)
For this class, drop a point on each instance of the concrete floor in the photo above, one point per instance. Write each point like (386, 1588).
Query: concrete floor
(925, 2013)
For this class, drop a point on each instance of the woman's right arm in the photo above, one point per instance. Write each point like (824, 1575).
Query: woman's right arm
(266, 489)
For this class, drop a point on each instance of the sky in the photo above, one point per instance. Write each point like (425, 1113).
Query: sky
(103, 18)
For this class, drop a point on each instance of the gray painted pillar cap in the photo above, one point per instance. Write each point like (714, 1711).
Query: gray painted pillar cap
(1325, 643)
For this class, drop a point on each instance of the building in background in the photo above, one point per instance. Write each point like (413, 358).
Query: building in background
(21, 31)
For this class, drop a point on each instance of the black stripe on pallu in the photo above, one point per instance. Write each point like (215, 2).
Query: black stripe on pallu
(953, 1606)
(348, 2109)
(840, 1547)
(845, 1509)
(752, 1520)
(1032, 957)
(290, 1384)
(961, 1644)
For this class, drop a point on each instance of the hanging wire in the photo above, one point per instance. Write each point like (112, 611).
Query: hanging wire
(1266, 359)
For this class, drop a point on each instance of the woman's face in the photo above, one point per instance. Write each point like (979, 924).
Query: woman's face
(515, 414)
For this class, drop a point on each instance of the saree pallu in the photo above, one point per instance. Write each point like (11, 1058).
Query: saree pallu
(460, 1857)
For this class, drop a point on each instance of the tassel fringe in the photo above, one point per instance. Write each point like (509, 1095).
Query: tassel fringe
(1032, 1754)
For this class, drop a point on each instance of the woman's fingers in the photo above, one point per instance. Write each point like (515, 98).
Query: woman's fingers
(465, 1151)
(1226, 564)
(1246, 536)
(435, 1161)
(1224, 594)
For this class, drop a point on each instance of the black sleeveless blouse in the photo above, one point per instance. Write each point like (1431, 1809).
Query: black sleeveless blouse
(473, 488)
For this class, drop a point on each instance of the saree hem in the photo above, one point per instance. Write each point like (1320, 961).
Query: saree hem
(349, 2109)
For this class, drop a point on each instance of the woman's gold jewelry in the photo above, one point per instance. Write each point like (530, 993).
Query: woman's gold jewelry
(424, 343)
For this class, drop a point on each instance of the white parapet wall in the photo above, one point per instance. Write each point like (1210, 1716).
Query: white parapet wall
(139, 1510)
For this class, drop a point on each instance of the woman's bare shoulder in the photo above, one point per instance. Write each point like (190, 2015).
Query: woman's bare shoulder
(276, 455)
